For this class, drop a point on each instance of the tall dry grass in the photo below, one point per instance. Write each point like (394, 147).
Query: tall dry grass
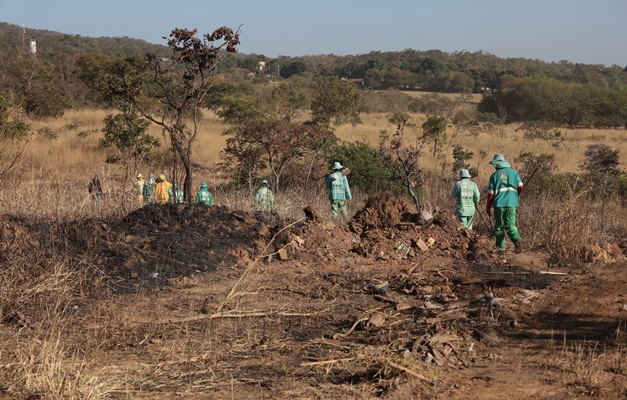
(76, 152)
(41, 297)
(577, 229)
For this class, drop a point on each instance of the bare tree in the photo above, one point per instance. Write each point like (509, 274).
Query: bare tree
(402, 160)
(170, 92)
(275, 145)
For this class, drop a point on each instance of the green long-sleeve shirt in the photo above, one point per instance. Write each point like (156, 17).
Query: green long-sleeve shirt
(504, 184)
(265, 198)
(204, 197)
(467, 197)
(338, 186)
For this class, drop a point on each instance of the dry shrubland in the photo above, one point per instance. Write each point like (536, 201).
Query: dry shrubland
(42, 359)
(54, 175)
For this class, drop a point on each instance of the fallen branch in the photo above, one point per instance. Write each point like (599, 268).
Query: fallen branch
(252, 263)
(416, 265)
(333, 342)
(238, 315)
(307, 364)
(447, 315)
(487, 339)
(337, 335)
(409, 371)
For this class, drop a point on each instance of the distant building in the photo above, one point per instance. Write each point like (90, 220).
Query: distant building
(359, 82)
(261, 66)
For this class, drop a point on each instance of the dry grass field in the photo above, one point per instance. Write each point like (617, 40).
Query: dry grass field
(75, 155)
(108, 300)
(476, 97)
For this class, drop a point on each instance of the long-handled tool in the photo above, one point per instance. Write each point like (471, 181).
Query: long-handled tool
(486, 220)
(525, 184)
(345, 171)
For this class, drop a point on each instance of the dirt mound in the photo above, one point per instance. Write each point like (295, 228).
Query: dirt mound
(151, 244)
(383, 212)
(161, 242)
(388, 229)
(15, 235)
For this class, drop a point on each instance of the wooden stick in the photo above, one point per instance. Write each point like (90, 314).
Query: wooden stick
(307, 364)
(237, 315)
(250, 266)
(409, 371)
(553, 273)
(412, 269)
(351, 329)
(337, 343)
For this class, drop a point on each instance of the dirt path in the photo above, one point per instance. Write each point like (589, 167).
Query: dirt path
(568, 342)
(174, 349)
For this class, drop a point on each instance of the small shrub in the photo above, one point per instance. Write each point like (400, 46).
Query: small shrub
(602, 172)
(48, 133)
(367, 170)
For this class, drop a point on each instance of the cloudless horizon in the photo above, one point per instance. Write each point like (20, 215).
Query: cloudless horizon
(578, 31)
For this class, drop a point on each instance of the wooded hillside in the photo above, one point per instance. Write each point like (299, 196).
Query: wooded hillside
(70, 71)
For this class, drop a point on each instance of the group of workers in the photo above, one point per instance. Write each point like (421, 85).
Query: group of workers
(161, 191)
(504, 187)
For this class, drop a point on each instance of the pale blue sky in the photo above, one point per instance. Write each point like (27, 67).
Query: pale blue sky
(584, 31)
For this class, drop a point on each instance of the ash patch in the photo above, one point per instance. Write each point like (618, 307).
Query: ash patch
(150, 245)
(167, 241)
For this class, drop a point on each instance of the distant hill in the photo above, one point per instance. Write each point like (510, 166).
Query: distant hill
(51, 44)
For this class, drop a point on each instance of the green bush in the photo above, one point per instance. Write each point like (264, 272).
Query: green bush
(368, 173)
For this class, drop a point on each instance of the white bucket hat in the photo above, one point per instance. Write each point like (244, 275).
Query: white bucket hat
(463, 173)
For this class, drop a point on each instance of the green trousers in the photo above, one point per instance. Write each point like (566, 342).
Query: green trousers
(339, 205)
(505, 222)
(466, 221)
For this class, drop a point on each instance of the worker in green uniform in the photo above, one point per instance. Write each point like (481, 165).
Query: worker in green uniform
(339, 191)
(204, 196)
(503, 190)
(466, 193)
(264, 197)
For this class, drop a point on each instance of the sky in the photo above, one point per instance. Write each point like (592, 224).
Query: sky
(579, 31)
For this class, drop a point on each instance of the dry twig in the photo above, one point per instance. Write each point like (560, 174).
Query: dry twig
(409, 371)
(252, 263)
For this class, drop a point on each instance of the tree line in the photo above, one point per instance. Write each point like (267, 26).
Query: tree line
(284, 120)
(68, 71)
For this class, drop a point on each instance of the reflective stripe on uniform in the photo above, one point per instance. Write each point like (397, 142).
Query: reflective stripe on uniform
(506, 189)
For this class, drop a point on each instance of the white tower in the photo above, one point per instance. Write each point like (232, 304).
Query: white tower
(32, 47)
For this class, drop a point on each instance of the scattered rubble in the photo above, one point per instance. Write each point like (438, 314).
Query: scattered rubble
(379, 297)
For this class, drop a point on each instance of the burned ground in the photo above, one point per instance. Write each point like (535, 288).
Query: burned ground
(216, 303)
